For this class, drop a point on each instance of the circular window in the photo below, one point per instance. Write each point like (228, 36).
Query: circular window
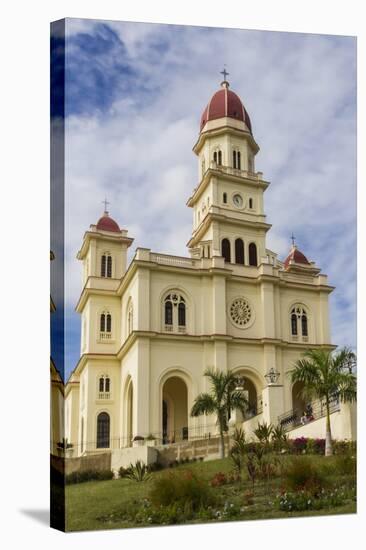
(241, 312)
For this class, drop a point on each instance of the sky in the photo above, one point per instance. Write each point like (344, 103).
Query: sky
(134, 94)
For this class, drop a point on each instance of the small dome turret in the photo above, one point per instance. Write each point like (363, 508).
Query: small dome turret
(225, 103)
(296, 256)
(106, 223)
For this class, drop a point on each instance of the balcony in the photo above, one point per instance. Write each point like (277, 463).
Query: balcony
(178, 261)
(296, 338)
(105, 336)
(172, 328)
(236, 172)
(104, 395)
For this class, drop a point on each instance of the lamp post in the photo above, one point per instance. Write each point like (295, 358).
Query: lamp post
(272, 376)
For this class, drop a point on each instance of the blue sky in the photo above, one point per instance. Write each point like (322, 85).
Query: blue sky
(134, 96)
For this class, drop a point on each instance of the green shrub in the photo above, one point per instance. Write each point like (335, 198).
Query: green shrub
(138, 471)
(182, 488)
(306, 500)
(301, 474)
(264, 432)
(345, 465)
(88, 475)
(122, 472)
(237, 451)
(279, 438)
(344, 447)
(155, 467)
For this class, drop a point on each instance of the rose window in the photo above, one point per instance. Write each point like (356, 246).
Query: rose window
(240, 312)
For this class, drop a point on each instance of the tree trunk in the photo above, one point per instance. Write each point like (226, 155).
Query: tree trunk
(222, 441)
(328, 433)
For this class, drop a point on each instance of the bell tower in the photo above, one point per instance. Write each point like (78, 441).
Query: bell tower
(104, 249)
(228, 210)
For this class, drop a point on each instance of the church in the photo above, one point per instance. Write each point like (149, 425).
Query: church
(150, 329)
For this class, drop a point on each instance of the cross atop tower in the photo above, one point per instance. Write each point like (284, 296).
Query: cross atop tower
(105, 202)
(225, 73)
(293, 239)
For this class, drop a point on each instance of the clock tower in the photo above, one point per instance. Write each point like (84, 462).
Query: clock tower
(228, 212)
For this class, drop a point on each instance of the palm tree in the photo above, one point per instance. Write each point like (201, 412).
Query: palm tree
(223, 398)
(325, 374)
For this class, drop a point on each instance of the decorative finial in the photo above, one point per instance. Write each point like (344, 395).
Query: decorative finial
(293, 239)
(105, 202)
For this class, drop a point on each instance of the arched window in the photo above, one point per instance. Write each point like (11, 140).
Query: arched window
(175, 313)
(250, 203)
(168, 312)
(103, 429)
(239, 161)
(304, 324)
(219, 158)
(130, 318)
(239, 251)
(106, 265)
(299, 322)
(104, 386)
(225, 250)
(293, 324)
(182, 314)
(224, 198)
(105, 325)
(109, 266)
(253, 254)
(215, 156)
(234, 159)
(103, 269)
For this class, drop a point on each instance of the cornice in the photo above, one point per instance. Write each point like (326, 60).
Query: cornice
(224, 129)
(220, 174)
(211, 217)
(104, 236)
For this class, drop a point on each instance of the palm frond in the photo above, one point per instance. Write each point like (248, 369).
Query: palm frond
(204, 404)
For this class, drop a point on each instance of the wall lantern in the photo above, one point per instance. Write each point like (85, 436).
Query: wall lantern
(239, 383)
(272, 376)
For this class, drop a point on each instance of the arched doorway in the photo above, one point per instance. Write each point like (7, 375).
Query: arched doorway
(174, 410)
(103, 430)
(250, 392)
(298, 401)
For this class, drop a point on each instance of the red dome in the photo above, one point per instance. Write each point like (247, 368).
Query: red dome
(225, 103)
(105, 223)
(296, 256)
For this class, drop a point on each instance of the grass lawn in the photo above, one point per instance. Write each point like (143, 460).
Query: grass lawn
(102, 504)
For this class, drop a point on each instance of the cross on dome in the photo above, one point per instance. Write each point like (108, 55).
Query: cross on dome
(105, 202)
(293, 239)
(225, 73)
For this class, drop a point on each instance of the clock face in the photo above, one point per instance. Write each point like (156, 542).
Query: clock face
(238, 201)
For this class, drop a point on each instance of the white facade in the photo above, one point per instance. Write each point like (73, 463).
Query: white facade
(151, 329)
